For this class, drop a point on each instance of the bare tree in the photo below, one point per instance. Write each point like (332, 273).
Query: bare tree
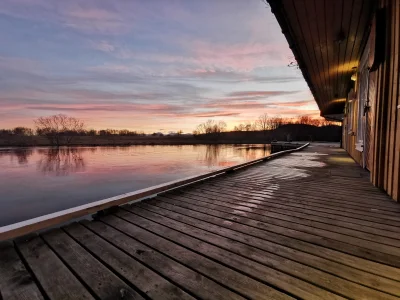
(262, 123)
(276, 122)
(59, 129)
(210, 127)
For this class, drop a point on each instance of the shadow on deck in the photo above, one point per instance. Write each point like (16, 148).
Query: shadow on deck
(306, 225)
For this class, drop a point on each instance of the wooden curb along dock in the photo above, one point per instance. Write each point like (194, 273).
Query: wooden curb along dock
(306, 225)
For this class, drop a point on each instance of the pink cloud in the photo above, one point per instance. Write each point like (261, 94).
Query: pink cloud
(243, 57)
(259, 93)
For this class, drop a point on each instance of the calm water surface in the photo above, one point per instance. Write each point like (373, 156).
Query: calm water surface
(39, 181)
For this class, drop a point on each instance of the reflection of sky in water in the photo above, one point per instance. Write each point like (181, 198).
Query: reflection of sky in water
(39, 181)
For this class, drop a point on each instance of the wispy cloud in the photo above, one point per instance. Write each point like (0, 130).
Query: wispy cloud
(111, 62)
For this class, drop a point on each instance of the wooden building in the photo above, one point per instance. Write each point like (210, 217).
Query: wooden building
(348, 52)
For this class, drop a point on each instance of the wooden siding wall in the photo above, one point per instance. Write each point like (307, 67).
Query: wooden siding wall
(386, 168)
(384, 135)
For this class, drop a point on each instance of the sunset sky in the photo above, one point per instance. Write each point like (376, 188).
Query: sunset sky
(146, 65)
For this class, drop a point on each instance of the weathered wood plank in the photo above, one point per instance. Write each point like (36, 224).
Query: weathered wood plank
(282, 207)
(358, 200)
(56, 279)
(276, 197)
(269, 190)
(289, 203)
(241, 258)
(286, 265)
(283, 220)
(189, 280)
(228, 219)
(146, 280)
(15, 281)
(372, 251)
(224, 275)
(101, 281)
(294, 217)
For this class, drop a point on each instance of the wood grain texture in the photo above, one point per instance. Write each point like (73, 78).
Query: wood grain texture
(224, 275)
(178, 273)
(146, 280)
(15, 280)
(57, 280)
(103, 283)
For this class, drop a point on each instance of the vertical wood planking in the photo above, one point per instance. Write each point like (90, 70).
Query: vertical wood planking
(308, 12)
(321, 50)
(395, 101)
(396, 165)
(347, 28)
(389, 117)
(304, 45)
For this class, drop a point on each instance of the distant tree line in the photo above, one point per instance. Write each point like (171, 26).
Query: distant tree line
(266, 129)
(262, 123)
(62, 130)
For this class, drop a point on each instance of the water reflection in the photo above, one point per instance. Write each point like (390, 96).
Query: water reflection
(211, 155)
(38, 181)
(61, 161)
(21, 154)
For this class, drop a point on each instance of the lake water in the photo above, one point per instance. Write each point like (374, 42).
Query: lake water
(39, 181)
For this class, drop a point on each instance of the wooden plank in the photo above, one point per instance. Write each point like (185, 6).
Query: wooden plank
(304, 217)
(333, 18)
(234, 254)
(288, 195)
(55, 278)
(278, 243)
(15, 280)
(358, 184)
(394, 126)
(310, 194)
(293, 268)
(305, 11)
(306, 48)
(101, 281)
(36, 224)
(327, 209)
(292, 205)
(319, 214)
(269, 190)
(187, 279)
(244, 264)
(238, 282)
(315, 18)
(228, 220)
(146, 280)
(365, 195)
(229, 216)
(392, 103)
(396, 165)
(354, 188)
(304, 225)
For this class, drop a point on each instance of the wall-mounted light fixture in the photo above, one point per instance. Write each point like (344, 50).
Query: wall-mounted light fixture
(354, 75)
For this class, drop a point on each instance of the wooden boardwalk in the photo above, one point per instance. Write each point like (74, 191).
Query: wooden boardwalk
(307, 225)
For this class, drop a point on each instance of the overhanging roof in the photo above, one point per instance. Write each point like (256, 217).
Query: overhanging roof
(327, 38)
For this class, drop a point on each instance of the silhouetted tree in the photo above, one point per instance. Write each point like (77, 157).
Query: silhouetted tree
(59, 129)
